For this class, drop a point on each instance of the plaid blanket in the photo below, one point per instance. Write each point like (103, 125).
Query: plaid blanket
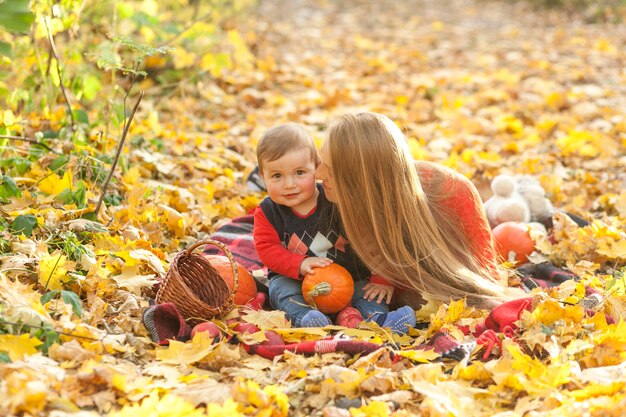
(165, 323)
(237, 236)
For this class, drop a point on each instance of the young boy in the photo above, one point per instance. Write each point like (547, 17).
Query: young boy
(294, 233)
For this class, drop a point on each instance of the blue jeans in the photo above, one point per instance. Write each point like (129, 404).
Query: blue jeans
(286, 295)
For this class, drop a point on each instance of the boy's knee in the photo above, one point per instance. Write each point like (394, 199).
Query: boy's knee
(282, 290)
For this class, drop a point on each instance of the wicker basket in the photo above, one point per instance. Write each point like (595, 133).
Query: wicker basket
(195, 286)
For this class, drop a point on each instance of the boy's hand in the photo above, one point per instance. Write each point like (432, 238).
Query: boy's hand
(382, 292)
(306, 267)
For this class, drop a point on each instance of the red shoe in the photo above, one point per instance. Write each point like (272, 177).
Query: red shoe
(349, 317)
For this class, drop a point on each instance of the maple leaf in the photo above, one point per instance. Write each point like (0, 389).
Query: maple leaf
(297, 334)
(21, 304)
(373, 409)
(204, 390)
(187, 353)
(524, 373)
(597, 390)
(476, 371)
(19, 346)
(270, 400)
(229, 408)
(132, 280)
(54, 185)
(53, 271)
(550, 311)
(609, 346)
(450, 314)
(421, 356)
(267, 319)
(153, 261)
(612, 249)
(156, 406)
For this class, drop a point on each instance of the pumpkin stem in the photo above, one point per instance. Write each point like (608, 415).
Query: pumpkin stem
(323, 288)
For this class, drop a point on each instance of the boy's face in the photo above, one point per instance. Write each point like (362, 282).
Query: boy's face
(290, 180)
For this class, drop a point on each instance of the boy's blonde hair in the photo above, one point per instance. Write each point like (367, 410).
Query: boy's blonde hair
(281, 139)
(398, 231)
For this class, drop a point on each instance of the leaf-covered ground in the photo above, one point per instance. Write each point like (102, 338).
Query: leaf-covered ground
(484, 87)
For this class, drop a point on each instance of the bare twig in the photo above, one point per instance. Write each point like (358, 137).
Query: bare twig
(120, 146)
(29, 140)
(53, 48)
(133, 78)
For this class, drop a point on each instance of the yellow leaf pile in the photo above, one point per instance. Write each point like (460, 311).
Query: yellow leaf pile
(483, 87)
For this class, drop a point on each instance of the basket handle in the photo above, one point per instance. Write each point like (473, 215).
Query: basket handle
(228, 254)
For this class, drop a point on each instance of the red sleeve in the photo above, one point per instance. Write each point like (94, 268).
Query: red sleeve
(271, 250)
(461, 200)
(377, 279)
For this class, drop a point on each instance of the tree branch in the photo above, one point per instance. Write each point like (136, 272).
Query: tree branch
(53, 48)
(29, 140)
(120, 146)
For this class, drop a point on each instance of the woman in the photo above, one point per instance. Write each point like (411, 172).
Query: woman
(419, 225)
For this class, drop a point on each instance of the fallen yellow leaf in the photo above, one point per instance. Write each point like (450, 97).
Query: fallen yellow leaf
(19, 346)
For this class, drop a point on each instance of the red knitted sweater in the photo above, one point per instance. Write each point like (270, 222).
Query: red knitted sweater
(461, 200)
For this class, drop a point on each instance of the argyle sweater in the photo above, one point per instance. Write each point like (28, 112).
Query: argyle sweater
(283, 239)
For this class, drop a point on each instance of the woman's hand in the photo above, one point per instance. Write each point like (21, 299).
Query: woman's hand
(306, 267)
(379, 292)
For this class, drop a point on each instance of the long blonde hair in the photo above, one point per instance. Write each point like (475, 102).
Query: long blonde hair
(397, 230)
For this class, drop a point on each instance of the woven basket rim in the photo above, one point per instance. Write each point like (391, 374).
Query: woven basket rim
(174, 287)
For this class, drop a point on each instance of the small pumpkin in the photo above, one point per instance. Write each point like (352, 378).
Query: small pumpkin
(328, 289)
(246, 290)
(513, 241)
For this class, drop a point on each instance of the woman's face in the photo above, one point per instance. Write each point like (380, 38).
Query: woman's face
(324, 173)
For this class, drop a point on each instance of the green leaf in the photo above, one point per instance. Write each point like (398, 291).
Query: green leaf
(48, 296)
(4, 357)
(49, 337)
(6, 49)
(58, 163)
(72, 299)
(24, 224)
(77, 196)
(8, 189)
(91, 86)
(81, 116)
(21, 165)
(144, 49)
(15, 15)
(92, 216)
(125, 10)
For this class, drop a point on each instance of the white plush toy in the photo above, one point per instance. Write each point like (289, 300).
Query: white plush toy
(506, 204)
(540, 207)
(517, 199)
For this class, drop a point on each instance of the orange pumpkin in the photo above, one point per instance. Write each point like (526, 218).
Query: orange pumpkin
(246, 290)
(513, 241)
(328, 289)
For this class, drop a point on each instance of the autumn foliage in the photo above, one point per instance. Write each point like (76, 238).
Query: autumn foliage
(485, 88)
